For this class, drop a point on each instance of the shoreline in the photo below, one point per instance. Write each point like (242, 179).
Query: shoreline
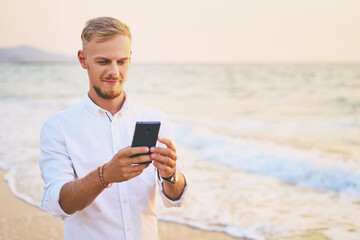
(20, 220)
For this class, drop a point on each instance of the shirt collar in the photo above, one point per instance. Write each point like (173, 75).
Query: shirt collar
(98, 111)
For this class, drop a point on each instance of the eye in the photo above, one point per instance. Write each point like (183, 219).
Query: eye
(121, 62)
(103, 62)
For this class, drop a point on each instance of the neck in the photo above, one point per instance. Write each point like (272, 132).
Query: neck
(111, 105)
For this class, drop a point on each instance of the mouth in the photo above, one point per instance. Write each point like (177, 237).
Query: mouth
(111, 82)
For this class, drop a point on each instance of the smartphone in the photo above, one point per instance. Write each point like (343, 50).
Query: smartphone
(145, 134)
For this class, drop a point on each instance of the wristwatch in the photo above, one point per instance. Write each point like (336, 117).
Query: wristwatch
(173, 178)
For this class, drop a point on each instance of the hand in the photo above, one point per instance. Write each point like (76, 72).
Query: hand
(121, 167)
(164, 158)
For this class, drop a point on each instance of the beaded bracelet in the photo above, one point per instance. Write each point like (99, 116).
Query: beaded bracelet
(101, 173)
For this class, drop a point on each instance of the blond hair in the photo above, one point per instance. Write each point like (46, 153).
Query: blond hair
(104, 28)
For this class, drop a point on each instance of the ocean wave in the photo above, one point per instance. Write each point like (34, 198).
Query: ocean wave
(304, 167)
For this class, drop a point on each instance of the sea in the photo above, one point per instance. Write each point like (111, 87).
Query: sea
(272, 150)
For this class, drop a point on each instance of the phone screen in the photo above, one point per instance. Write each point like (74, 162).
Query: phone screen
(145, 134)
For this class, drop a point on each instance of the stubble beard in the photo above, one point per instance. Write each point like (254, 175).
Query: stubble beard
(111, 93)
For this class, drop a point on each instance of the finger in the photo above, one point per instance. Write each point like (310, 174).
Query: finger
(140, 159)
(128, 152)
(136, 168)
(164, 151)
(133, 174)
(121, 152)
(125, 171)
(165, 171)
(167, 142)
(132, 168)
(164, 160)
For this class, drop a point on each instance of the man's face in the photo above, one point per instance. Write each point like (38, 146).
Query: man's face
(107, 64)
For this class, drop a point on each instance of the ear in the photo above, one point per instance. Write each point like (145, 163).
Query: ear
(130, 56)
(82, 59)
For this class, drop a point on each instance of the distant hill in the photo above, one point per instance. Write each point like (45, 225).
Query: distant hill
(29, 54)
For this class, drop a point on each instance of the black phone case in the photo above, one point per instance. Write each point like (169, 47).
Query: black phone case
(145, 134)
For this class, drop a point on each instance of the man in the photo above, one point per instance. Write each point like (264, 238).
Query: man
(91, 180)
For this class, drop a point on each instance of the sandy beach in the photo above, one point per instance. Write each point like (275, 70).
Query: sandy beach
(20, 220)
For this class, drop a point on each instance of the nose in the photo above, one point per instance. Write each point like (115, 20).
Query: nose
(114, 69)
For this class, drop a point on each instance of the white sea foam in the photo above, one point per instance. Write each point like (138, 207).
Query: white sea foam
(19, 148)
(257, 207)
(311, 168)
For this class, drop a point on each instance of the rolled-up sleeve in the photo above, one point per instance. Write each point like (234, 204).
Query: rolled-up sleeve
(50, 201)
(55, 165)
(185, 194)
(167, 132)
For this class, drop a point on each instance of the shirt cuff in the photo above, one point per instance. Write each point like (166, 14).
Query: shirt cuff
(50, 202)
(175, 203)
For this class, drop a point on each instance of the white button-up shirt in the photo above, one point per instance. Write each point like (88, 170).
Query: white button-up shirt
(75, 142)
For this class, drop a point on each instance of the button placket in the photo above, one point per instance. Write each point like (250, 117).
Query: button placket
(127, 222)
(123, 191)
(115, 137)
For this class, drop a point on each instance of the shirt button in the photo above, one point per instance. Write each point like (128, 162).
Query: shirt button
(125, 201)
(128, 229)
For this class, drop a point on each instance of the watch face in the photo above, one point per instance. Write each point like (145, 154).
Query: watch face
(170, 179)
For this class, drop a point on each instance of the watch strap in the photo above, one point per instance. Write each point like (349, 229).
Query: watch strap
(172, 179)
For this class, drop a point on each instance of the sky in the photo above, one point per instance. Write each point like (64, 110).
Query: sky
(196, 31)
